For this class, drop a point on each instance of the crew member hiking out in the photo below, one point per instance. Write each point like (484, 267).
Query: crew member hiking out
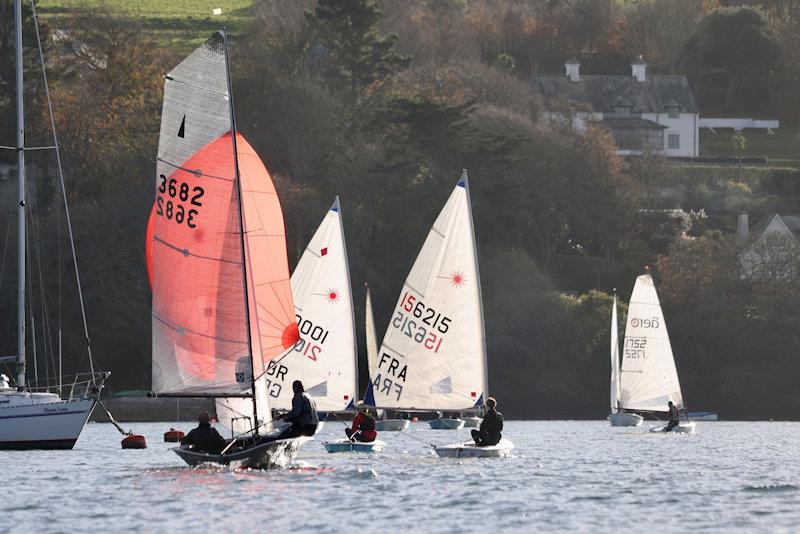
(303, 416)
(363, 428)
(204, 438)
(491, 427)
(673, 417)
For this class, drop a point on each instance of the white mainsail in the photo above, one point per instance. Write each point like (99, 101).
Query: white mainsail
(614, 359)
(649, 378)
(371, 336)
(326, 356)
(433, 355)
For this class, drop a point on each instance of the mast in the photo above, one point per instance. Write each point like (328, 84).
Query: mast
(478, 281)
(253, 375)
(21, 210)
(337, 206)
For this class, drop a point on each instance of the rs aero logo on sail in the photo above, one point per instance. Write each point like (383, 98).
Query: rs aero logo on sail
(637, 322)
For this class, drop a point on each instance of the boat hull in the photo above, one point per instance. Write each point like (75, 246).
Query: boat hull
(470, 450)
(446, 424)
(703, 416)
(625, 419)
(270, 455)
(392, 425)
(345, 445)
(51, 425)
(472, 422)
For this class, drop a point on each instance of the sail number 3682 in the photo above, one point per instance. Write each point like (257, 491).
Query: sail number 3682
(176, 193)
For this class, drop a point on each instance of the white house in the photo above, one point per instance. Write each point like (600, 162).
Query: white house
(643, 113)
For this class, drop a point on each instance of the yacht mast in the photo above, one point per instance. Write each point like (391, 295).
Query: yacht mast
(21, 211)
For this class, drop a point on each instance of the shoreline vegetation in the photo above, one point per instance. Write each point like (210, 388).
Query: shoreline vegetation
(383, 104)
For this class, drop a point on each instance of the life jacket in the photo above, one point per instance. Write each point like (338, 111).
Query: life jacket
(369, 423)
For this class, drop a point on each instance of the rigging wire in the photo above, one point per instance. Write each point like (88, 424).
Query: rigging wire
(5, 248)
(63, 192)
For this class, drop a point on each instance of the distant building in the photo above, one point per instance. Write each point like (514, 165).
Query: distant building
(643, 113)
(771, 248)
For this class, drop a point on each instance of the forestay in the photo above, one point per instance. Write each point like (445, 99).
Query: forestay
(201, 342)
(614, 359)
(325, 357)
(433, 355)
(649, 378)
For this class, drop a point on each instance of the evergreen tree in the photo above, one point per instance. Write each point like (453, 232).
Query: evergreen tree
(358, 54)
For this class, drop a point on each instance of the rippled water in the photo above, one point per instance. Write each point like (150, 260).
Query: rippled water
(564, 475)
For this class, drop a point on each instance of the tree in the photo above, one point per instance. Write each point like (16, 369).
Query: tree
(359, 55)
(738, 42)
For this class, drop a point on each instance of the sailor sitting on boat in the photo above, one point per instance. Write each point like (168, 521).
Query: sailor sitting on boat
(673, 417)
(491, 427)
(204, 438)
(303, 416)
(363, 428)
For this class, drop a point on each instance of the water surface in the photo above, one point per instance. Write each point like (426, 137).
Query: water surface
(564, 475)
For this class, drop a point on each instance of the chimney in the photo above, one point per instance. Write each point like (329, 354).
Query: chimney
(743, 227)
(638, 69)
(573, 70)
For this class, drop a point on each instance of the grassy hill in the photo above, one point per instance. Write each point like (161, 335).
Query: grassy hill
(175, 23)
(782, 147)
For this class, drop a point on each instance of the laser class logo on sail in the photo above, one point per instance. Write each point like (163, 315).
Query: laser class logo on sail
(637, 322)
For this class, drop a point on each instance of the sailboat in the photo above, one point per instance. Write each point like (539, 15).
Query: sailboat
(32, 416)
(325, 357)
(222, 300)
(384, 424)
(648, 376)
(433, 356)
(618, 417)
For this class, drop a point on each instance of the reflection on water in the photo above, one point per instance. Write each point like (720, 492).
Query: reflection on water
(563, 475)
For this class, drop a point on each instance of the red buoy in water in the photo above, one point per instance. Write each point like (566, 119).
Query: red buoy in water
(134, 441)
(173, 436)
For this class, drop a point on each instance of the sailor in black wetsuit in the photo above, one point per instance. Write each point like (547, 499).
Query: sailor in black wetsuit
(491, 427)
(303, 416)
(673, 417)
(204, 438)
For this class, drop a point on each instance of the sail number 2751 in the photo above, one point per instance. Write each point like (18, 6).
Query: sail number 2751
(417, 315)
(172, 195)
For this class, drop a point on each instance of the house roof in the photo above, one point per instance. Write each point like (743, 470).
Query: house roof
(632, 124)
(792, 223)
(654, 95)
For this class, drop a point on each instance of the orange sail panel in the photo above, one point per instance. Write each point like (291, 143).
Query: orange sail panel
(199, 314)
(207, 246)
(271, 306)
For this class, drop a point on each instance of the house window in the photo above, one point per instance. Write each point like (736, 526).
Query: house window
(673, 141)
(674, 113)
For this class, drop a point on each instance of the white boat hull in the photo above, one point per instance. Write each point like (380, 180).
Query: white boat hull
(392, 425)
(446, 424)
(689, 427)
(472, 422)
(27, 424)
(345, 445)
(470, 450)
(625, 419)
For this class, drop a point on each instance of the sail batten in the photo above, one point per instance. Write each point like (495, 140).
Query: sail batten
(433, 354)
(648, 376)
